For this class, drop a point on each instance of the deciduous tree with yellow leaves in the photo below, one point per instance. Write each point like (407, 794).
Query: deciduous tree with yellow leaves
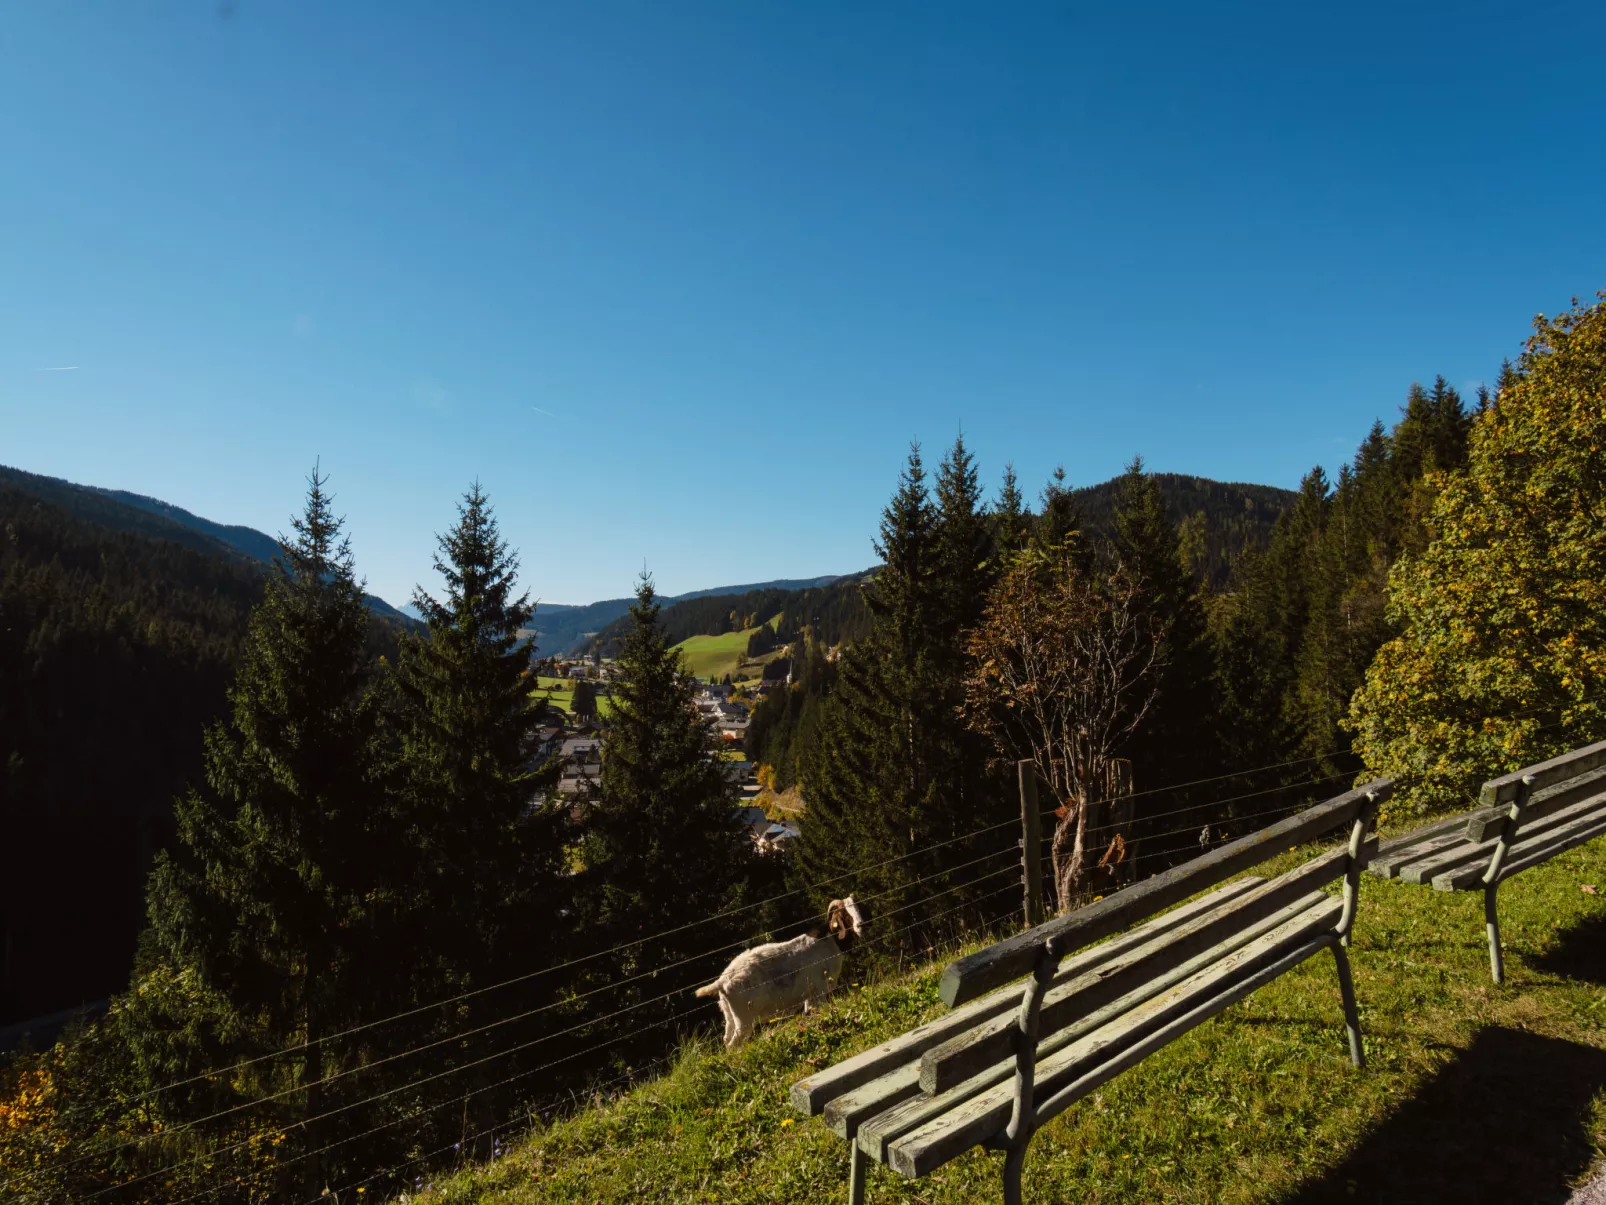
(1500, 654)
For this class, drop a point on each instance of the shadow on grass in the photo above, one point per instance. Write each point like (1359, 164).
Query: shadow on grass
(1579, 954)
(1508, 1121)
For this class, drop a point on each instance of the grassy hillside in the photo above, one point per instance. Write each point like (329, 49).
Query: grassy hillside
(715, 656)
(1473, 1092)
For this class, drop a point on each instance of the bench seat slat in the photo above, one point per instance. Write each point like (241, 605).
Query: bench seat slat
(1390, 863)
(1466, 863)
(962, 1056)
(906, 1115)
(844, 1114)
(811, 1095)
(974, 1121)
(1526, 853)
(1390, 847)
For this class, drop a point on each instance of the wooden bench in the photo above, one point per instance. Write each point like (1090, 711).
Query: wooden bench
(1524, 818)
(1008, 1056)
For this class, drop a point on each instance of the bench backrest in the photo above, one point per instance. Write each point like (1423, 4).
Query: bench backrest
(1535, 792)
(981, 972)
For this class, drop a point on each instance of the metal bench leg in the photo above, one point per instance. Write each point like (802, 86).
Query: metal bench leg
(1491, 922)
(858, 1165)
(1352, 1016)
(1014, 1161)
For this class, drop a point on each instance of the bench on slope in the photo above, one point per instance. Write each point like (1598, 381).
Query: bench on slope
(1524, 818)
(1008, 1056)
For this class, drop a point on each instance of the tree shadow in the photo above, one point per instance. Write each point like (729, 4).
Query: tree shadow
(1579, 954)
(1508, 1121)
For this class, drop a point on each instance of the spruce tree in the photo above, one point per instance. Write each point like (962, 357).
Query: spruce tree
(663, 846)
(1057, 516)
(1177, 741)
(880, 785)
(262, 918)
(1011, 522)
(486, 845)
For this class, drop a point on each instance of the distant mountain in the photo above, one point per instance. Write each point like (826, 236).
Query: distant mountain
(141, 515)
(562, 628)
(1221, 521)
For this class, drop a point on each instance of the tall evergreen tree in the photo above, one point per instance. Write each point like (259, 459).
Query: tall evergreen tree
(1057, 516)
(486, 845)
(663, 841)
(881, 787)
(1011, 522)
(266, 907)
(488, 857)
(1177, 740)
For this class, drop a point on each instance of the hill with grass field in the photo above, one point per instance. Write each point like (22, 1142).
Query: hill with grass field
(1472, 1093)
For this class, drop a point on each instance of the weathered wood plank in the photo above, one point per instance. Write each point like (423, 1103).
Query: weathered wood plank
(1487, 823)
(1392, 845)
(1392, 865)
(956, 1060)
(974, 1121)
(1538, 848)
(1317, 913)
(1546, 773)
(1460, 863)
(974, 976)
(1467, 857)
(810, 1095)
(1070, 1093)
(844, 1114)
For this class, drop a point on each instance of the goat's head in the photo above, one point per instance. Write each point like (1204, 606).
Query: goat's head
(844, 921)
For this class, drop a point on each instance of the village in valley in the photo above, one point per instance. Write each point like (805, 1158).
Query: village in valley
(578, 693)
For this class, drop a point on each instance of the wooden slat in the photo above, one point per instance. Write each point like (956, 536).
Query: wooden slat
(1459, 863)
(982, 972)
(974, 1121)
(1392, 865)
(1389, 844)
(1530, 852)
(1546, 773)
(810, 1095)
(1487, 823)
(1317, 913)
(1534, 855)
(962, 1056)
(844, 1114)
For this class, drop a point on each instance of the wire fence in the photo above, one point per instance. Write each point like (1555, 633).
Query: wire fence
(968, 888)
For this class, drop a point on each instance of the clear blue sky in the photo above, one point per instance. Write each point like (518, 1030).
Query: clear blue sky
(678, 282)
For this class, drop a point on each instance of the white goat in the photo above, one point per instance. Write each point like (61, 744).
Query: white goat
(769, 980)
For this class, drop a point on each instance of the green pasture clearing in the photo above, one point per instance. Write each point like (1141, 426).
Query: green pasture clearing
(559, 693)
(1472, 1093)
(715, 656)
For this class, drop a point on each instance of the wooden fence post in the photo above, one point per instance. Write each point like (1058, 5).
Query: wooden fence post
(1031, 843)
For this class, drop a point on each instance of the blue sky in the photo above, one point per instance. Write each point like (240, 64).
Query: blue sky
(679, 282)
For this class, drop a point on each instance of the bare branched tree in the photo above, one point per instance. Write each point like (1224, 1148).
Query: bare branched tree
(1062, 671)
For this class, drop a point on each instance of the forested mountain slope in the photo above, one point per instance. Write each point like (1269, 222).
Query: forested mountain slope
(119, 629)
(121, 510)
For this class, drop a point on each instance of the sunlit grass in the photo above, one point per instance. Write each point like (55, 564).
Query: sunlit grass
(1473, 1092)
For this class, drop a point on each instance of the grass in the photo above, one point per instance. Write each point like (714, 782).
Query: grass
(559, 693)
(715, 656)
(1472, 1093)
